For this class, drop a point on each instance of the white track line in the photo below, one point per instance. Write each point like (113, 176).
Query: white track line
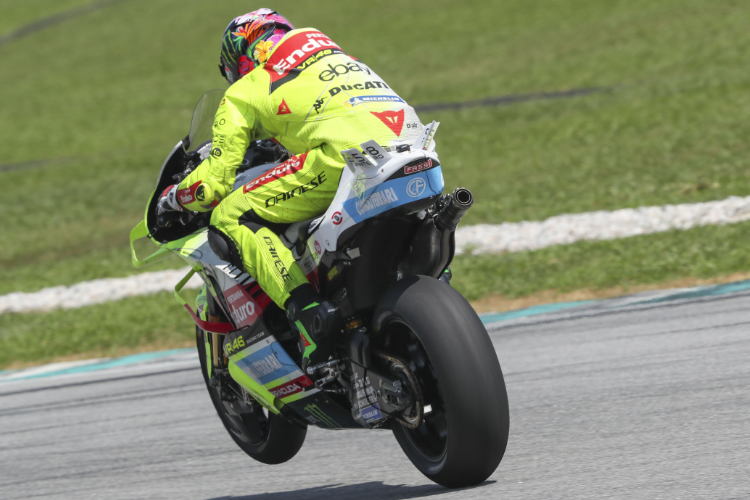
(482, 238)
(569, 228)
(97, 291)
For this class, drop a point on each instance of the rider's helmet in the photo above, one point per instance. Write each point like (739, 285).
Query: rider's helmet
(248, 40)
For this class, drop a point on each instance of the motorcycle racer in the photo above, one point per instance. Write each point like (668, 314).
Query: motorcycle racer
(300, 89)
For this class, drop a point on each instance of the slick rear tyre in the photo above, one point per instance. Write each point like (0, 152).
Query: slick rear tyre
(462, 439)
(265, 437)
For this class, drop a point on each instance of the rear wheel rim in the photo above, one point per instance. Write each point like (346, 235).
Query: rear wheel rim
(430, 438)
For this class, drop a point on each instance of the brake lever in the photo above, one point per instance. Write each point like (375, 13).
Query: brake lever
(167, 219)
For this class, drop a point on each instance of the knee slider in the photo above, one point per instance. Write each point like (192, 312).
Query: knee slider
(224, 247)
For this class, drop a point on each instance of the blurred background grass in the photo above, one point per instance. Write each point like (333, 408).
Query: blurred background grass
(91, 105)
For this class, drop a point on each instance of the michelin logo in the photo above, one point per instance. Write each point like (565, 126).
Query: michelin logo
(372, 98)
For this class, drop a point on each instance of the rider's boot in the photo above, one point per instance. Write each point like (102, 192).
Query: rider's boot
(315, 319)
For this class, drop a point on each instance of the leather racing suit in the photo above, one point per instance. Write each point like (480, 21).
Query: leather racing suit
(314, 100)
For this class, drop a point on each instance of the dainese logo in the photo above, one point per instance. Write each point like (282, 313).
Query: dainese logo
(200, 193)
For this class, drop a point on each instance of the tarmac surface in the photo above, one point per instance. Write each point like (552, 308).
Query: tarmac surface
(646, 399)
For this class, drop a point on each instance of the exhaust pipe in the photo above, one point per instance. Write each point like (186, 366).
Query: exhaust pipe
(434, 244)
(460, 202)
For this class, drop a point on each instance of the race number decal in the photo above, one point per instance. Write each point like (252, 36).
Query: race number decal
(375, 152)
(355, 159)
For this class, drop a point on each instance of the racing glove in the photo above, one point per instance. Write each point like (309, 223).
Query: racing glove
(168, 201)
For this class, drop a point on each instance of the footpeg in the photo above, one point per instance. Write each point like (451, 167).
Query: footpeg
(312, 369)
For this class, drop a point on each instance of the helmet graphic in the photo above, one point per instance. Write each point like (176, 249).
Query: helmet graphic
(248, 40)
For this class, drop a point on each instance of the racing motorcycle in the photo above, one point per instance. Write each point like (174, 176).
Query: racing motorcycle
(411, 355)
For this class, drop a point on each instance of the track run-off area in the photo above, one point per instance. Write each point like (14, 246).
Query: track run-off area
(638, 397)
(477, 239)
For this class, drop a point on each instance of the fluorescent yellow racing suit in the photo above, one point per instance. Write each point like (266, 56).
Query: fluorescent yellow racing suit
(315, 101)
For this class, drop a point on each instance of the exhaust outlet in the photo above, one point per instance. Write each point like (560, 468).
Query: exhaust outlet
(434, 243)
(460, 202)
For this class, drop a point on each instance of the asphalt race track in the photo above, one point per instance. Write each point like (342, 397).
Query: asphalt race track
(645, 402)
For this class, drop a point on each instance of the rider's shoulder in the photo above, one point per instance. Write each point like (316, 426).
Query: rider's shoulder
(301, 35)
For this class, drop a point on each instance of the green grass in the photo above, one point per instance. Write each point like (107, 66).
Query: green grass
(636, 146)
(78, 229)
(102, 330)
(641, 260)
(99, 100)
(16, 14)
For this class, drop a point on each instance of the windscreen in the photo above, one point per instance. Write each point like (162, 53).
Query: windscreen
(203, 117)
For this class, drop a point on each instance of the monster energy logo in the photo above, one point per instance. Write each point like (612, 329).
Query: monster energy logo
(320, 415)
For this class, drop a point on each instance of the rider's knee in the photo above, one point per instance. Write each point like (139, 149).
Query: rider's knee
(224, 247)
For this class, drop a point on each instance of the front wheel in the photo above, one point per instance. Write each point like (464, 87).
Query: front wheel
(462, 436)
(266, 437)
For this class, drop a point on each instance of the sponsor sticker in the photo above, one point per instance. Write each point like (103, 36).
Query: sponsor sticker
(354, 101)
(242, 307)
(371, 413)
(265, 366)
(372, 84)
(416, 187)
(331, 72)
(200, 193)
(268, 363)
(320, 416)
(298, 190)
(354, 159)
(413, 169)
(394, 193)
(298, 52)
(291, 387)
(377, 199)
(291, 166)
(318, 105)
(187, 195)
(284, 108)
(277, 262)
(394, 120)
(318, 248)
(336, 218)
(375, 152)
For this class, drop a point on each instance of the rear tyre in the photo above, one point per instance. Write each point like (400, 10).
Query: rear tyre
(461, 441)
(264, 436)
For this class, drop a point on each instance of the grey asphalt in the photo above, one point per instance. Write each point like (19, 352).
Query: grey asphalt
(647, 402)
